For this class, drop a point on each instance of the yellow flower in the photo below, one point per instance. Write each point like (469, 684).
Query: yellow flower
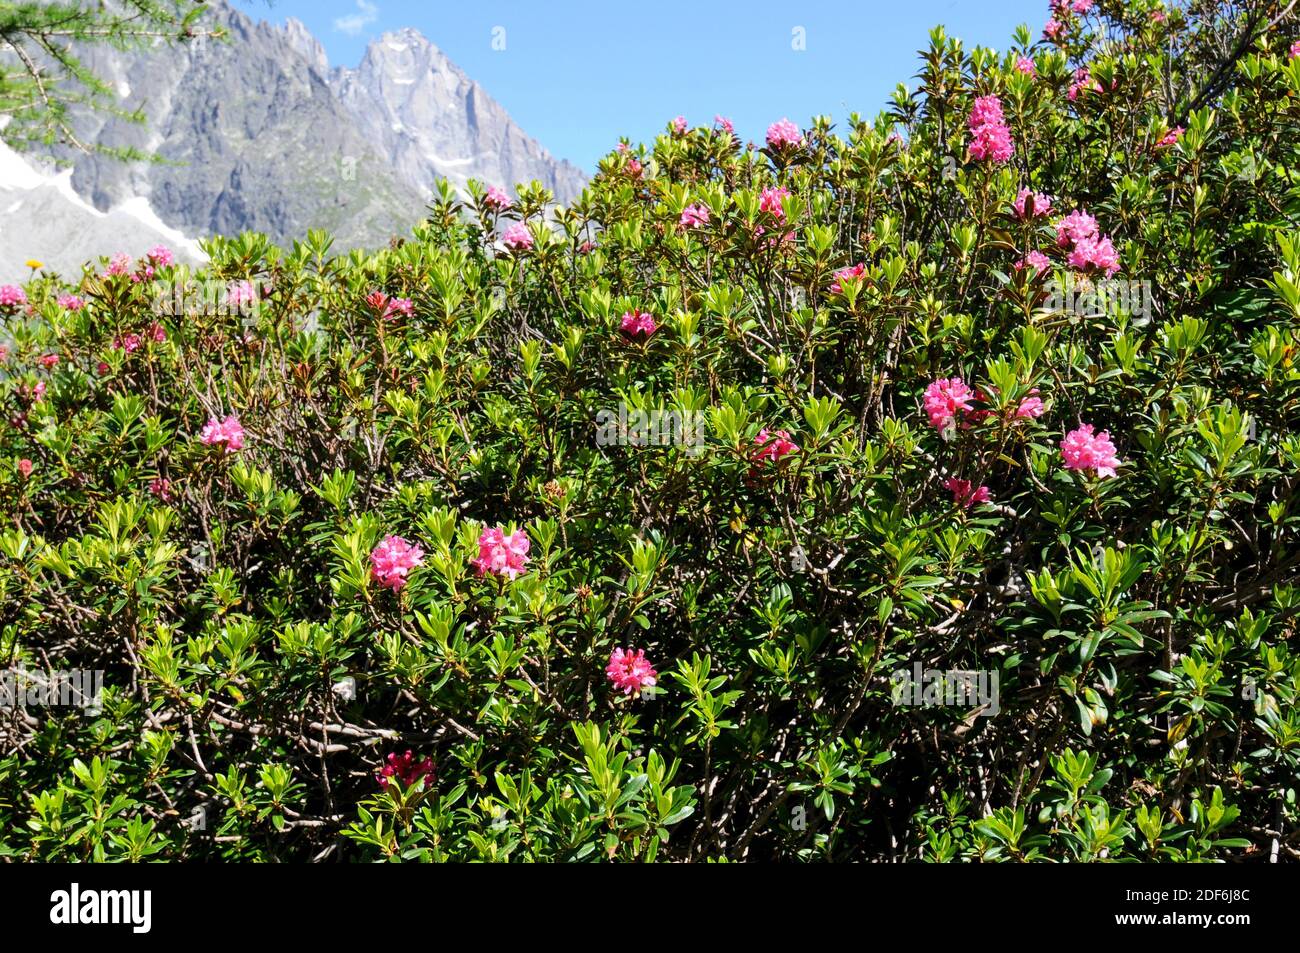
(33, 264)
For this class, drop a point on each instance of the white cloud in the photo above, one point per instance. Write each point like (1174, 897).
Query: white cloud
(354, 23)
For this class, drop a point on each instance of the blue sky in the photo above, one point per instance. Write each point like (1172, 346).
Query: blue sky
(577, 74)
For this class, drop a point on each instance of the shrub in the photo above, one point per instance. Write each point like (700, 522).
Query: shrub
(639, 534)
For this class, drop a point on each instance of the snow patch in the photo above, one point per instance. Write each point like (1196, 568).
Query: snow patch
(140, 209)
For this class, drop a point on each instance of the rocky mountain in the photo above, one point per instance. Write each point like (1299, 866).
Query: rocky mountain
(432, 121)
(259, 133)
(42, 218)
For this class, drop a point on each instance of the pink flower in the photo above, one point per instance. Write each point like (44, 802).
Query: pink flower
(1031, 406)
(103, 368)
(70, 302)
(1074, 228)
(1082, 450)
(12, 296)
(240, 293)
(772, 446)
(517, 237)
(1082, 83)
(1081, 7)
(586, 248)
(1038, 204)
(963, 495)
(633, 168)
(1171, 137)
(392, 560)
(228, 432)
(631, 671)
(1095, 254)
(1158, 16)
(770, 201)
(990, 137)
(25, 467)
(1025, 65)
(1053, 29)
(1294, 51)
(4, 353)
(637, 322)
(496, 199)
(853, 271)
(128, 343)
(161, 256)
(119, 264)
(505, 554)
(33, 392)
(679, 125)
(1036, 260)
(694, 216)
(157, 332)
(405, 770)
(161, 488)
(945, 399)
(725, 124)
(396, 306)
(784, 133)
(49, 360)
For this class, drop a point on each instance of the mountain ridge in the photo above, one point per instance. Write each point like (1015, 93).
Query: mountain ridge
(261, 133)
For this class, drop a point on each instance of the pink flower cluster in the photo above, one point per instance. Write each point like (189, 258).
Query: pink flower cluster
(12, 296)
(1082, 449)
(783, 133)
(1083, 83)
(679, 126)
(724, 124)
(1031, 204)
(227, 431)
(25, 467)
(241, 293)
(405, 770)
(119, 264)
(1089, 251)
(70, 302)
(496, 199)
(1171, 137)
(631, 671)
(161, 488)
(773, 445)
(392, 561)
(853, 271)
(945, 399)
(517, 237)
(388, 308)
(1025, 65)
(964, 495)
(990, 137)
(637, 322)
(505, 554)
(1294, 51)
(770, 201)
(1036, 260)
(694, 216)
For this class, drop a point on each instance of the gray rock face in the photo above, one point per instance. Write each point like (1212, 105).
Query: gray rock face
(258, 133)
(433, 121)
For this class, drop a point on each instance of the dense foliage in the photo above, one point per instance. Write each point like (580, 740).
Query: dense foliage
(378, 561)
